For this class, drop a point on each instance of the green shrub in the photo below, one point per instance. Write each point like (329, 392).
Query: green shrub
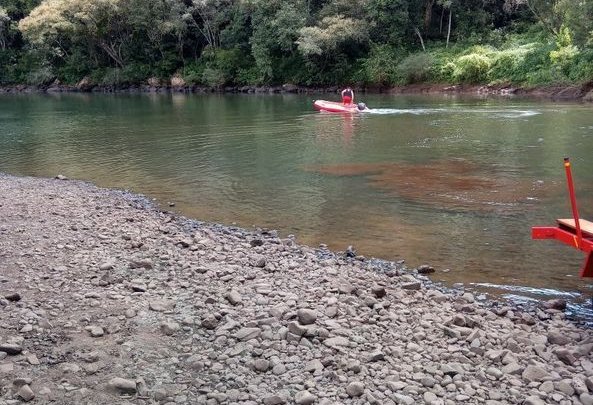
(77, 66)
(41, 77)
(380, 67)
(509, 64)
(472, 68)
(545, 76)
(415, 68)
(581, 68)
(214, 77)
(135, 73)
(111, 77)
(248, 76)
(193, 73)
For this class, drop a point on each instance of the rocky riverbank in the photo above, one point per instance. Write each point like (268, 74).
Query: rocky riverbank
(106, 299)
(582, 92)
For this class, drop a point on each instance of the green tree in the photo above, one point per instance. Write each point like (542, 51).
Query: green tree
(59, 23)
(4, 26)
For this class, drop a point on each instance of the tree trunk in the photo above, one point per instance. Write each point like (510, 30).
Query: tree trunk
(428, 14)
(449, 29)
(541, 18)
(113, 54)
(420, 36)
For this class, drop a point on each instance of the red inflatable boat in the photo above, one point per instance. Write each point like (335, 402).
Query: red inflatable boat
(331, 106)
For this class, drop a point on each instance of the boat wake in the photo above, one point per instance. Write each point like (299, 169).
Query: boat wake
(431, 111)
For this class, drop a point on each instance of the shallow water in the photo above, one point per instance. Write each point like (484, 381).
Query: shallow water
(453, 182)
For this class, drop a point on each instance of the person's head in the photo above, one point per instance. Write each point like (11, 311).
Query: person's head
(361, 106)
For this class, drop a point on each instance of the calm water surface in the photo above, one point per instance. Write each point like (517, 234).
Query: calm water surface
(453, 182)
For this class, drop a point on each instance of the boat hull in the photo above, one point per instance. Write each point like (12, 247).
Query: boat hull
(331, 106)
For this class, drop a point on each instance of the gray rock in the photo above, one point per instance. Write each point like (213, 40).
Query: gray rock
(122, 385)
(336, 342)
(558, 338)
(304, 398)
(274, 400)
(534, 373)
(306, 316)
(261, 365)
(586, 398)
(96, 331)
(313, 365)
(162, 305)
(10, 348)
(245, 334)
(565, 356)
(355, 389)
(170, 328)
(140, 263)
(13, 297)
(403, 399)
(210, 322)
(376, 355)
(379, 291)
(414, 286)
(533, 400)
(234, 297)
(26, 393)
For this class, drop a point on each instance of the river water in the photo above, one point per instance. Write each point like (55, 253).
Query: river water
(454, 182)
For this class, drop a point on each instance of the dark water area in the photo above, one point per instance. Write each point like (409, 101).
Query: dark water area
(454, 182)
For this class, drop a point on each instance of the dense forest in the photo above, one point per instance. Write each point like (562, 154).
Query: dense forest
(305, 42)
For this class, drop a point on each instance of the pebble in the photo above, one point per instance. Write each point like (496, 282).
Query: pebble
(203, 313)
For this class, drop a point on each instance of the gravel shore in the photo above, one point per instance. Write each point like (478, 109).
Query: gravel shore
(105, 299)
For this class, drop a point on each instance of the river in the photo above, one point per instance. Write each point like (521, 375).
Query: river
(454, 182)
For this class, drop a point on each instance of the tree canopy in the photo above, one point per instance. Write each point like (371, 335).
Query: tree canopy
(311, 42)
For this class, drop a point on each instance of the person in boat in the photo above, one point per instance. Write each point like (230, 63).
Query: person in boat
(347, 96)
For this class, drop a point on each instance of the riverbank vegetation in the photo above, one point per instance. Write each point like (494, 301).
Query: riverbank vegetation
(377, 43)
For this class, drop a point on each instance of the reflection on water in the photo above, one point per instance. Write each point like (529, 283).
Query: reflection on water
(447, 184)
(453, 182)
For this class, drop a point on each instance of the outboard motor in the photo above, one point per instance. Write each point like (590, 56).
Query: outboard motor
(362, 106)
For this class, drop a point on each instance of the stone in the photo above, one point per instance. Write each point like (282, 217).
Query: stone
(122, 385)
(414, 286)
(336, 342)
(210, 322)
(13, 297)
(245, 334)
(261, 365)
(234, 297)
(533, 400)
(161, 305)
(558, 338)
(170, 327)
(425, 269)
(376, 355)
(11, 349)
(565, 356)
(379, 291)
(304, 398)
(355, 389)
(96, 331)
(534, 373)
(273, 400)
(306, 316)
(26, 393)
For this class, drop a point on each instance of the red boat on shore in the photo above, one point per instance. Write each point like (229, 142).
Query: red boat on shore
(332, 106)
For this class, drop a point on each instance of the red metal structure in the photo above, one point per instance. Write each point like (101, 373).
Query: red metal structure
(574, 232)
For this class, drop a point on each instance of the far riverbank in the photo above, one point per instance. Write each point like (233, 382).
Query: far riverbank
(577, 92)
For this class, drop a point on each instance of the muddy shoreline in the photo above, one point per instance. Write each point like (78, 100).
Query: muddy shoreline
(577, 92)
(107, 299)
